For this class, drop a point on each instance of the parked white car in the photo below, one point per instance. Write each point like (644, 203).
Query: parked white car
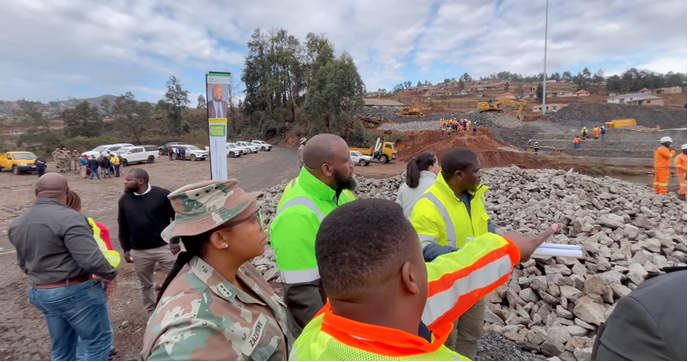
(101, 150)
(264, 146)
(244, 150)
(234, 151)
(192, 152)
(360, 159)
(138, 154)
(252, 147)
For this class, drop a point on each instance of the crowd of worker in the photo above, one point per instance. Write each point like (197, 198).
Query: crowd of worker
(457, 125)
(107, 164)
(362, 279)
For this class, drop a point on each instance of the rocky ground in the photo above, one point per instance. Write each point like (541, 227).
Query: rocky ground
(551, 307)
(554, 306)
(578, 115)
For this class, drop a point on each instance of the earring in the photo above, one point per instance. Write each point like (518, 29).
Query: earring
(226, 246)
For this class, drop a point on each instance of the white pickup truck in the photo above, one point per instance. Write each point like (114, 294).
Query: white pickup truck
(360, 159)
(252, 147)
(138, 154)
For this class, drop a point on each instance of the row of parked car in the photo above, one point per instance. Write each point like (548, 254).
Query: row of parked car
(130, 154)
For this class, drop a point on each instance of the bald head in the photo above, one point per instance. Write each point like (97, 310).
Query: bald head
(326, 157)
(321, 149)
(217, 93)
(52, 186)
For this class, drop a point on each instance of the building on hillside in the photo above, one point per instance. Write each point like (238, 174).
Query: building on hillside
(550, 107)
(647, 91)
(382, 103)
(637, 99)
(485, 87)
(669, 90)
(507, 95)
(529, 94)
(582, 93)
(374, 94)
(551, 94)
(565, 94)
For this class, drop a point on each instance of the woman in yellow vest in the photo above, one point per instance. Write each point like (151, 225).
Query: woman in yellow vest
(101, 235)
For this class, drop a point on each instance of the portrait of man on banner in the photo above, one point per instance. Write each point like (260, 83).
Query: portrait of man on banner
(217, 105)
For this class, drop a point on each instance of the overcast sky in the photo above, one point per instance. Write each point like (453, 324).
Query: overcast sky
(52, 49)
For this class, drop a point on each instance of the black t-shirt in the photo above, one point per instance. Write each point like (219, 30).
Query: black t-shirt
(142, 218)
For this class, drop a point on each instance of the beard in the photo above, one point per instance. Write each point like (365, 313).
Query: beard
(344, 183)
(129, 190)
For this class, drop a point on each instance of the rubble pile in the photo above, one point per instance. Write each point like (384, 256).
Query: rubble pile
(554, 306)
(577, 115)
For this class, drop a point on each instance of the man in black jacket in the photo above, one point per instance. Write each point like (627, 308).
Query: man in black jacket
(649, 324)
(144, 212)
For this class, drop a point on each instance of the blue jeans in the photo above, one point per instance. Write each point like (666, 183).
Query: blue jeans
(78, 320)
(94, 171)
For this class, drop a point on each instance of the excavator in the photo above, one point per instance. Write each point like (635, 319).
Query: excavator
(493, 106)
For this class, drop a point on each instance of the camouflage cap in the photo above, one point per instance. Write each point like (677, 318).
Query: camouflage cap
(205, 205)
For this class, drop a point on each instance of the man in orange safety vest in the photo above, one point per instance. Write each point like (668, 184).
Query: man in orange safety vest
(385, 302)
(663, 157)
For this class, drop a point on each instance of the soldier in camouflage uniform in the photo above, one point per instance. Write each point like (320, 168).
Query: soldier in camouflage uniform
(75, 161)
(67, 159)
(214, 304)
(55, 155)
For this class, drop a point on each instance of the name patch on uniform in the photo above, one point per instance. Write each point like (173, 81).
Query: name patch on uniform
(256, 334)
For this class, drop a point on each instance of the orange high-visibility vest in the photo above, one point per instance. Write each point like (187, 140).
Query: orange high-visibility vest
(663, 157)
(456, 281)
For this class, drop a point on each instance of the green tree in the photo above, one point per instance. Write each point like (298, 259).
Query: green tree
(105, 107)
(466, 77)
(177, 100)
(202, 103)
(335, 92)
(519, 90)
(506, 87)
(83, 120)
(566, 76)
(132, 117)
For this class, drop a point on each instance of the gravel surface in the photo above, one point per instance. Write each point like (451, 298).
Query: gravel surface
(578, 115)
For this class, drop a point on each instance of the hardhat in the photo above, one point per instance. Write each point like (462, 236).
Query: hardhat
(665, 140)
(585, 127)
(684, 147)
(536, 143)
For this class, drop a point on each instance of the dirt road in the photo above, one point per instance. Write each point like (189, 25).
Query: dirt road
(23, 333)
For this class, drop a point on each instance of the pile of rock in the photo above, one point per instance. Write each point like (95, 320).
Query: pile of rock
(556, 305)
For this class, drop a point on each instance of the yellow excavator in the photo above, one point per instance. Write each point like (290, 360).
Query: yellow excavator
(410, 112)
(493, 106)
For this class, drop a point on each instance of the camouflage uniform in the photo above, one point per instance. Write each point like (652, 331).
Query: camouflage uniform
(75, 160)
(201, 316)
(299, 161)
(55, 155)
(67, 159)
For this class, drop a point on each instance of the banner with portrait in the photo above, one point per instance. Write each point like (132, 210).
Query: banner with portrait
(217, 92)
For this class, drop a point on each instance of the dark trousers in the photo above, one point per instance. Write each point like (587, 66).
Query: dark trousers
(304, 301)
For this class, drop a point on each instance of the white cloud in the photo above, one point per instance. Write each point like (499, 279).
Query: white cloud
(52, 48)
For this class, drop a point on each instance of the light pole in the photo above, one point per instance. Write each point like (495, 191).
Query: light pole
(544, 75)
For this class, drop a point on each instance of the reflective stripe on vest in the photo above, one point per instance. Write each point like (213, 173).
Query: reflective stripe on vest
(440, 303)
(302, 201)
(300, 276)
(111, 256)
(449, 225)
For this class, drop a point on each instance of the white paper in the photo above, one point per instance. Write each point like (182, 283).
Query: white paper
(547, 250)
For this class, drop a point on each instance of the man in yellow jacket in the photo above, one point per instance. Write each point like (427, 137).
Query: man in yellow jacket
(385, 303)
(448, 216)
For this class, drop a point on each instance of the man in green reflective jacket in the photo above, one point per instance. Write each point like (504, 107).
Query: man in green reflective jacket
(327, 172)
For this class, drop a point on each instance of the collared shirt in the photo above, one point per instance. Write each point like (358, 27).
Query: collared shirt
(201, 316)
(407, 197)
(145, 192)
(219, 112)
(55, 243)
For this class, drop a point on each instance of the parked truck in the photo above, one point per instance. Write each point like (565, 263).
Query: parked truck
(18, 161)
(383, 152)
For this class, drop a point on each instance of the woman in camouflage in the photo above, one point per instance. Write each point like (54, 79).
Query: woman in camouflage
(214, 304)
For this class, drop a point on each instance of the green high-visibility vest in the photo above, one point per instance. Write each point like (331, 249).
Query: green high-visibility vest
(344, 197)
(292, 234)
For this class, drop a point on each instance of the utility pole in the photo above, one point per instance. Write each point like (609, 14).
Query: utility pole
(544, 75)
